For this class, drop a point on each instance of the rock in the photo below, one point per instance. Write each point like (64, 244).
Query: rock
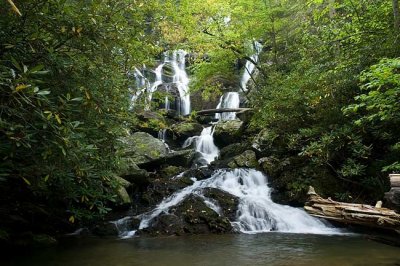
(269, 165)
(232, 150)
(199, 173)
(393, 198)
(134, 174)
(123, 182)
(247, 159)
(228, 202)
(140, 148)
(43, 240)
(264, 140)
(245, 116)
(184, 130)
(200, 219)
(123, 195)
(159, 188)
(182, 158)
(165, 224)
(105, 229)
(170, 171)
(227, 132)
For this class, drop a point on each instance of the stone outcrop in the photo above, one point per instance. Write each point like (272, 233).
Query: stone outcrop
(246, 159)
(227, 132)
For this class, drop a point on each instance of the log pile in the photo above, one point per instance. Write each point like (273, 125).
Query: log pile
(350, 213)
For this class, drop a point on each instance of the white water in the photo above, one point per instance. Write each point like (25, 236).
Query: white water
(180, 79)
(157, 82)
(228, 100)
(250, 66)
(204, 144)
(256, 211)
(123, 228)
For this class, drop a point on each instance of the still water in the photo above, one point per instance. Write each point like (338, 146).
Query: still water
(232, 250)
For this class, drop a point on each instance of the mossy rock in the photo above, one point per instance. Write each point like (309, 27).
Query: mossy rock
(140, 148)
(170, 171)
(184, 130)
(246, 159)
(228, 132)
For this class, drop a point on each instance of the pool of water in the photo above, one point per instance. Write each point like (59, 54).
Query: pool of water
(235, 250)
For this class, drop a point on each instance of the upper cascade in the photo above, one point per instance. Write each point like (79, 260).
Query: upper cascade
(250, 66)
(228, 100)
(149, 81)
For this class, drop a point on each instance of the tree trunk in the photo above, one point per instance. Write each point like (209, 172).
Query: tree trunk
(396, 15)
(350, 213)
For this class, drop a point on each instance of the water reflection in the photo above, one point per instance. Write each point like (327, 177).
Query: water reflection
(260, 249)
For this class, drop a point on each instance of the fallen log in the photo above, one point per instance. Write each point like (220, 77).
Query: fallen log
(351, 213)
(222, 110)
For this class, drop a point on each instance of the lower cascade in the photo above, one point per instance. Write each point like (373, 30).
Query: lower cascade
(256, 212)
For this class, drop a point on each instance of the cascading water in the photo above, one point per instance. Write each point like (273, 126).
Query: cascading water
(157, 82)
(250, 66)
(256, 211)
(204, 144)
(180, 80)
(228, 100)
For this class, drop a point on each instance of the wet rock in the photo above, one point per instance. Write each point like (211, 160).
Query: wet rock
(200, 219)
(184, 130)
(393, 198)
(105, 229)
(159, 188)
(246, 159)
(228, 202)
(141, 148)
(165, 224)
(200, 173)
(43, 240)
(227, 132)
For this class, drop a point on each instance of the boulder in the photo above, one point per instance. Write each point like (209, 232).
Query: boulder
(184, 130)
(105, 229)
(228, 202)
(246, 159)
(232, 150)
(270, 165)
(227, 132)
(122, 182)
(170, 171)
(123, 195)
(393, 198)
(182, 158)
(199, 173)
(165, 224)
(135, 175)
(263, 140)
(141, 148)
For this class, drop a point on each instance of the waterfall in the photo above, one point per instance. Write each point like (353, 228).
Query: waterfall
(157, 82)
(204, 145)
(256, 211)
(180, 79)
(250, 66)
(228, 100)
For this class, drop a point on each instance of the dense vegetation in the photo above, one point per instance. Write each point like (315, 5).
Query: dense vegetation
(326, 92)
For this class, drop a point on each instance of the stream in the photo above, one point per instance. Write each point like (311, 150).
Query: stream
(236, 249)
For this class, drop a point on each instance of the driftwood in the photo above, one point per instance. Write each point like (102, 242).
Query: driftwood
(222, 110)
(350, 213)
